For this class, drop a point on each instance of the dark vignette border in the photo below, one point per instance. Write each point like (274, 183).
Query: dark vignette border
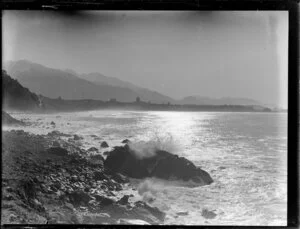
(292, 6)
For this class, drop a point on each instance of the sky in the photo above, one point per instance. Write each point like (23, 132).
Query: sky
(207, 53)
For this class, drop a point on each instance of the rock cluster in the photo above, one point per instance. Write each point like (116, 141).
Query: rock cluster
(162, 165)
(46, 183)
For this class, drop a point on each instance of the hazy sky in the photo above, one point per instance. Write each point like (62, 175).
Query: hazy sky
(215, 54)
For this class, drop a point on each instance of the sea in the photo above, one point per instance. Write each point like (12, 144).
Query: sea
(245, 154)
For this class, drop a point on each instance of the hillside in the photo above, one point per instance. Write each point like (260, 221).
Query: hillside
(8, 120)
(144, 93)
(17, 97)
(54, 83)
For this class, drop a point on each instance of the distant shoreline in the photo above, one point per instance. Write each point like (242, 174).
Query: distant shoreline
(89, 104)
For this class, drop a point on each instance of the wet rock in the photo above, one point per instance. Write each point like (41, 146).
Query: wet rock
(126, 141)
(208, 214)
(76, 137)
(104, 144)
(79, 197)
(162, 165)
(104, 201)
(121, 160)
(92, 149)
(124, 200)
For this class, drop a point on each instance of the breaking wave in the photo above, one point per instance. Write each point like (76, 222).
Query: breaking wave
(146, 149)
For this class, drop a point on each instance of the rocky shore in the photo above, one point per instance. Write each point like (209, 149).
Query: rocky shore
(49, 179)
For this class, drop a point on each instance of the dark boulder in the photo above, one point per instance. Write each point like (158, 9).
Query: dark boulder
(126, 141)
(104, 144)
(123, 161)
(52, 123)
(92, 149)
(79, 198)
(208, 214)
(76, 137)
(162, 165)
(104, 201)
(124, 200)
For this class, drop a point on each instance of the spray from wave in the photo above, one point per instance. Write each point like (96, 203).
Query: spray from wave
(150, 188)
(147, 149)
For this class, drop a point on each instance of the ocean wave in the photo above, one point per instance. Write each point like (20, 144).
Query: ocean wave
(147, 148)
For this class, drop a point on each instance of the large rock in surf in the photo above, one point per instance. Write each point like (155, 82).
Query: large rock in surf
(104, 144)
(162, 165)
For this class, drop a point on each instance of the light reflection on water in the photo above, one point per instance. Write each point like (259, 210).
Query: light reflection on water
(245, 153)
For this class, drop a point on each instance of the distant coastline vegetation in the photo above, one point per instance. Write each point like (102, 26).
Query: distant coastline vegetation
(89, 104)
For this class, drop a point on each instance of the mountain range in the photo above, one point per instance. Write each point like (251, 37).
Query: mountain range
(67, 84)
(54, 83)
